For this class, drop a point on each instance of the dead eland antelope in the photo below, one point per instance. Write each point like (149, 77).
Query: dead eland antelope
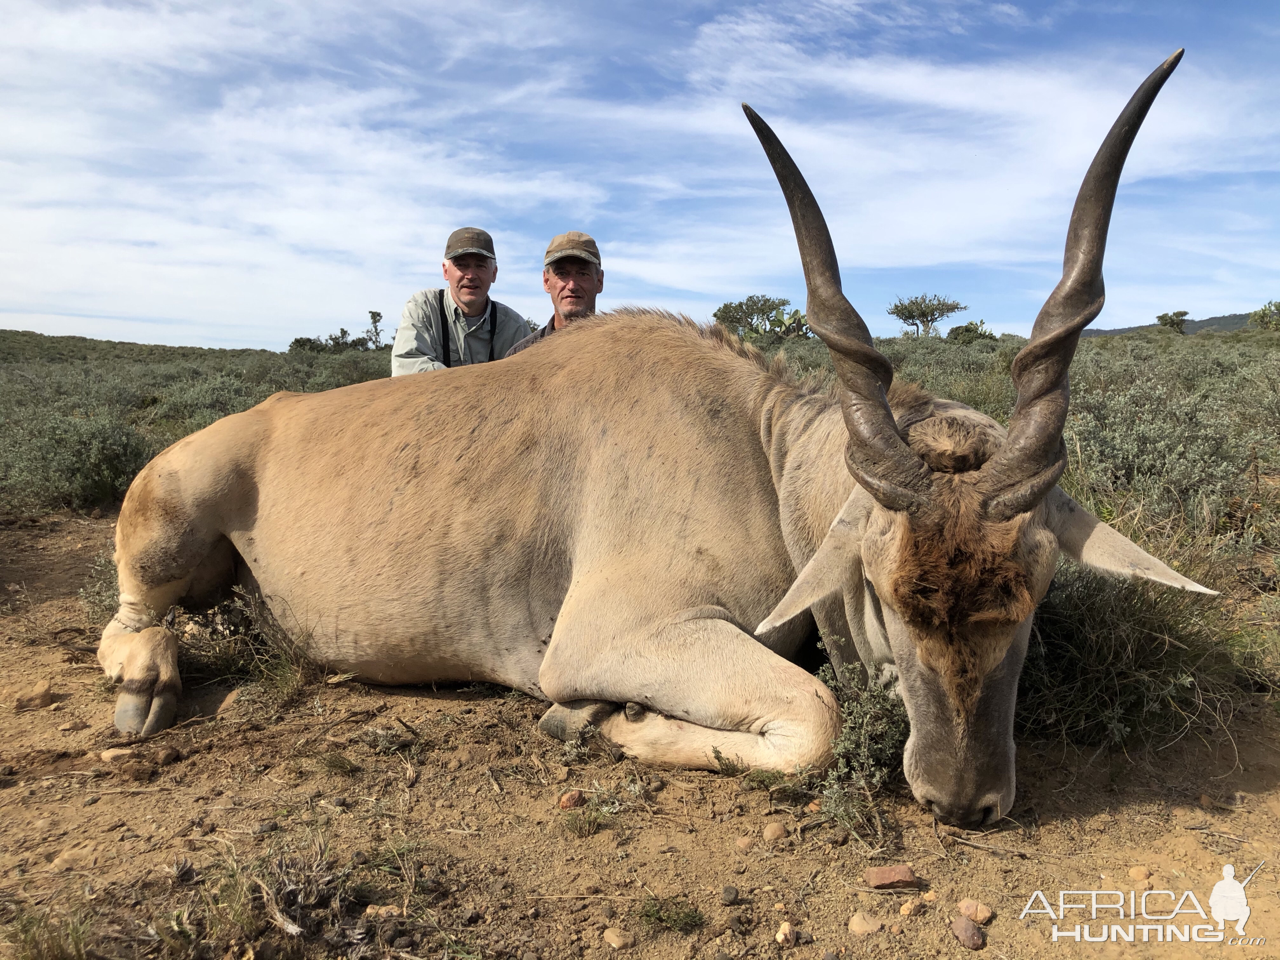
(600, 521)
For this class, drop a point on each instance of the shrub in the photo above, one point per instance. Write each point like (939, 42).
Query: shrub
(970, 332)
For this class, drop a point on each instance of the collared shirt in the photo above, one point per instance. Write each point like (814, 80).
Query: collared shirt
(417, 345)
(532, 338)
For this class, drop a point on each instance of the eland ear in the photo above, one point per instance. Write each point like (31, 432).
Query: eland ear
(827, 571)
(1088, 541)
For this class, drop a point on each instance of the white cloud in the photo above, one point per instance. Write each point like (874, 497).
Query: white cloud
(251, 173)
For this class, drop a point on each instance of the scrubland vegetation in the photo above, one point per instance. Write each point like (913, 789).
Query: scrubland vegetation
(1173, 439)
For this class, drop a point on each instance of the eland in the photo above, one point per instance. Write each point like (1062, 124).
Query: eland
(647, 528)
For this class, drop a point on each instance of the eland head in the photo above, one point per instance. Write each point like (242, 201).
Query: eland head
(952, 534)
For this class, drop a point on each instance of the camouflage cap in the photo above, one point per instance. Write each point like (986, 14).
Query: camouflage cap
(575, 243)
(469, 240)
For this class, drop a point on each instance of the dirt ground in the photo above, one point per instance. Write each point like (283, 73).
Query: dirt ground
(367, 822)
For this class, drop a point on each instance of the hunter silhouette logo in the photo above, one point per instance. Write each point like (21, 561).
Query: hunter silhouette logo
(1228, 900)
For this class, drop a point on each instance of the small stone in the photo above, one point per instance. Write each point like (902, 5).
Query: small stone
(571, 799)
(359, 858)
(967, 932)
(41, 696)
(930, 897)
(744, 844)
(454, 765)
(264, 826)
(75, 858)
(166, 756)
(830, 955)
(619, 939)
(90, 800)
(340, 802)
(814, 806)
(895, 928)
(72, 726)
(912, 908)
(861, 925)
(975, 910)
(774, 832)
(897, 877)
(403, 943)
(1139, 873)
(786, 935)
(608, 911)
(780, 907)
(1182, 811)
(116, 755)
(729, 895)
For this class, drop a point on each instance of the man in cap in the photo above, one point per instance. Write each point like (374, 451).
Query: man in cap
(459, 324)
(572, 274)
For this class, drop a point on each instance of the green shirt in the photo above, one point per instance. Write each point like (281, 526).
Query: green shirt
(417, 345)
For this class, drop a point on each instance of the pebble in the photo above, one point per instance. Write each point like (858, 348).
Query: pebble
(930, 897)
(264, 826)
(786, 935)
(745, 844)
(830, 955)
(912, 908)
(571, 799)
(729, 895)
(967, 932)
(895, 928)
(381, 913)
(975, 910)
(861, 925)
(1139, 873)
(73, 725)
(815, 806)
(116, 755)
(75, 858)
(897, 877)
(166, 756)
(619, 939)
(454, 765)
(41, 696)
(774, 832)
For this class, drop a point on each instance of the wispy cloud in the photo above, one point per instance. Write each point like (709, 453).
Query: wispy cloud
(249, 173)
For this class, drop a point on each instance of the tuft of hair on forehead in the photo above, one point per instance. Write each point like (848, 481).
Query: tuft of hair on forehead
(959, 579)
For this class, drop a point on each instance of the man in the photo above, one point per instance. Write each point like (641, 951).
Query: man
(572, 274)
(459, 324)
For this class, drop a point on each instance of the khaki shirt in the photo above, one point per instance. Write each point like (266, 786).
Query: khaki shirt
(417, 345)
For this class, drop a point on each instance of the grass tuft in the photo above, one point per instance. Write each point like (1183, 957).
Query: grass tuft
(673, 913)
(868, 752)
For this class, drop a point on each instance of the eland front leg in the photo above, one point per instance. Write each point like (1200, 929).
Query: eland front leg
(706, 687)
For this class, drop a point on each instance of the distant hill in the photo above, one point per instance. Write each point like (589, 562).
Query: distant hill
(1232, 321)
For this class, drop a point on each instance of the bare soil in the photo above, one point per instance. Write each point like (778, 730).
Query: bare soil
(440, 808)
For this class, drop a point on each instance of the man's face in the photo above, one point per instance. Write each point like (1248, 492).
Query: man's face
(469, 277)
(573, 284)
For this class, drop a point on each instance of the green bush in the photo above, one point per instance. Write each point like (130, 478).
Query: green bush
(79, 418)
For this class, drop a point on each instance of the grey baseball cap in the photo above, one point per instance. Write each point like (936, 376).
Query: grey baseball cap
(575, 243)
(469, 240)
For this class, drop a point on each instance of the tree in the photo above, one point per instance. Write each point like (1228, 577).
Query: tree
(374, 332)
(923, 313)
(1266, 317)
(759, 315)
(970, 332)
(1173, 321)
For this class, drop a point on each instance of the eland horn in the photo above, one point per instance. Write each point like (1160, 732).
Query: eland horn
(876, 455)
(1033, 457)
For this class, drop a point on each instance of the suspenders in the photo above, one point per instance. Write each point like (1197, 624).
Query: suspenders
(445, 351)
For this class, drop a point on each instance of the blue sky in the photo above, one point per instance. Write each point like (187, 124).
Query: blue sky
(240, 174)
